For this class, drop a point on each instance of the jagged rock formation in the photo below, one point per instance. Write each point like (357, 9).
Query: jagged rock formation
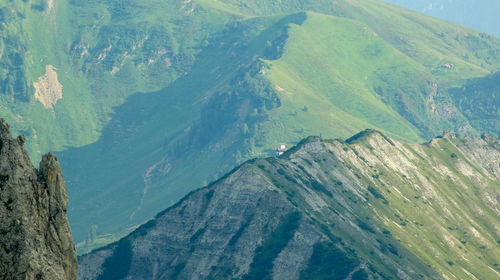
(35, 237)
(366, 208)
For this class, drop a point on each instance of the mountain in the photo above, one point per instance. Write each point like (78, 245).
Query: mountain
(480, 14)
(369, 207)
(35, 238)
(265, 80)
(143, 102)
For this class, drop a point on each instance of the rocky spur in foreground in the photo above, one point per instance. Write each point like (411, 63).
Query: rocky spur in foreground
(35, 237)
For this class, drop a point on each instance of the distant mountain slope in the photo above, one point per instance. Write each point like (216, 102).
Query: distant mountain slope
(479, 14)
(255, 81)
(99, 53)
(367, 208)
(479, 100)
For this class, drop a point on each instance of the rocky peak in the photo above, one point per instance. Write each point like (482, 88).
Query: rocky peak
(35, 237)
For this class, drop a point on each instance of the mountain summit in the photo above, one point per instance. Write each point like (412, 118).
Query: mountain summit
(366, 208)
(35, 237)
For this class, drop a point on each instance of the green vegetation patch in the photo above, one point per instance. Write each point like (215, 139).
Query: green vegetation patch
(329, 262)
(240, 231)
(262, 263)
(118, 265)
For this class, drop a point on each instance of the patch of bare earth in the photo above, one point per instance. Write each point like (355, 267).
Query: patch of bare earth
(48, 89)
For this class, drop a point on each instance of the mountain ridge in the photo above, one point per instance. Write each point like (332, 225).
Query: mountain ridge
(378, 216)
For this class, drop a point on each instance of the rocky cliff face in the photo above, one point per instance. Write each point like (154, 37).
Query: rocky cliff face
(366, 208)
(35, 237)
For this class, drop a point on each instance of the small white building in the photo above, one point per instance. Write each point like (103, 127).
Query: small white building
(281, 149)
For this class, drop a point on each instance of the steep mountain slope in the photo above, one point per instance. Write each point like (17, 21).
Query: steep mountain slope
(35, 238)
(366, 208)
(263, 79)
(65, 64)
(480, 14)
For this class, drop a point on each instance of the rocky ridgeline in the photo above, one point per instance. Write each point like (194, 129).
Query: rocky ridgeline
(365, 208)
(35, 237)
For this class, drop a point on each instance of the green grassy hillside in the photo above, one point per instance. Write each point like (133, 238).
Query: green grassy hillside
(102, 52)
(333, 66)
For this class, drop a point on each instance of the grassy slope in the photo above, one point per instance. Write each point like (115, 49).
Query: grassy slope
(427, 42)
(426, 211)
(328, 66)
(389, 65)
(103, 52)
(429, 213)
(44, 35)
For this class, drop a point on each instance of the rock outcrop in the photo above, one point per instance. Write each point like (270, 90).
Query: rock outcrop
(35, 237)
(366, 208)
